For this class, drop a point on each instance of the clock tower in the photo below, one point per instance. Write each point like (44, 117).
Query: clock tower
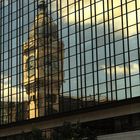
(43, 65)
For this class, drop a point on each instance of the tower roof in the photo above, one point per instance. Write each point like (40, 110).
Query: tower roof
(41, 4)
(43, 25)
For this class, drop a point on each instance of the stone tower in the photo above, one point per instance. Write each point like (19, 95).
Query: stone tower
(43, 65)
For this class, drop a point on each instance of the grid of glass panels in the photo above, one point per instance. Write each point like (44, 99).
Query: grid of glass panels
(91, 55)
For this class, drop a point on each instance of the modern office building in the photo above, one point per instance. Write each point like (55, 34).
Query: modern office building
(70, 60)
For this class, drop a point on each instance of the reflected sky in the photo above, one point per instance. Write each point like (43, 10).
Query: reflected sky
(92, 36)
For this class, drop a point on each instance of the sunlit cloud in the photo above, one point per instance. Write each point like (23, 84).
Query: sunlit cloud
(119, 70)
(11, 93)
(75, 10)
(134, 68)
(79, 11)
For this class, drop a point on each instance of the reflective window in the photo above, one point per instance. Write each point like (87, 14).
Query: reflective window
(67, 56)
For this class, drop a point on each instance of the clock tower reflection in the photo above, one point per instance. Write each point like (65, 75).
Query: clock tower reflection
(43, 65)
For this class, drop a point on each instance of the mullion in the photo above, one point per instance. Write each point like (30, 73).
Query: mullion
(38, 82)
(3, 73)
(80, 36)
(21, 62)
(69, 56)
(62, 63)
(59, 53)
(0, 61)
(92, 43)
(52, 77)
(35, 73)
(11, 62)
(105, 50)
(109, 38)
(49, 72)
(96, 38)
(124, 61)
(28, 55)
(17, 80)
(9, 67)
(128, 46)
(76, 49)
(85, 83)
(44, 45)
(114, 51)
(137, 30)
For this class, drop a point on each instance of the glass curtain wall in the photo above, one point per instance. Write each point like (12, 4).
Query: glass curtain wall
(64, 55)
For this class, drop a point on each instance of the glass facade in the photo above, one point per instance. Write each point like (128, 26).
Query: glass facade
(66, 55)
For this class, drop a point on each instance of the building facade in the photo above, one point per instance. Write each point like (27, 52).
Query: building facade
(69, 60)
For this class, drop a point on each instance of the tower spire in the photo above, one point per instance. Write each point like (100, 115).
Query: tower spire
(41, 4)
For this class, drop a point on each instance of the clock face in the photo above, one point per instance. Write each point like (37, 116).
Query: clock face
(30, 64)
(51, 65)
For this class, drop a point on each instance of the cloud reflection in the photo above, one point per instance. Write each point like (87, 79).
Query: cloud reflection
(12, 93)
(83, 11)
(119, 70)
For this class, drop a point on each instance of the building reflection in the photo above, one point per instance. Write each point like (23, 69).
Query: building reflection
(43, 65)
